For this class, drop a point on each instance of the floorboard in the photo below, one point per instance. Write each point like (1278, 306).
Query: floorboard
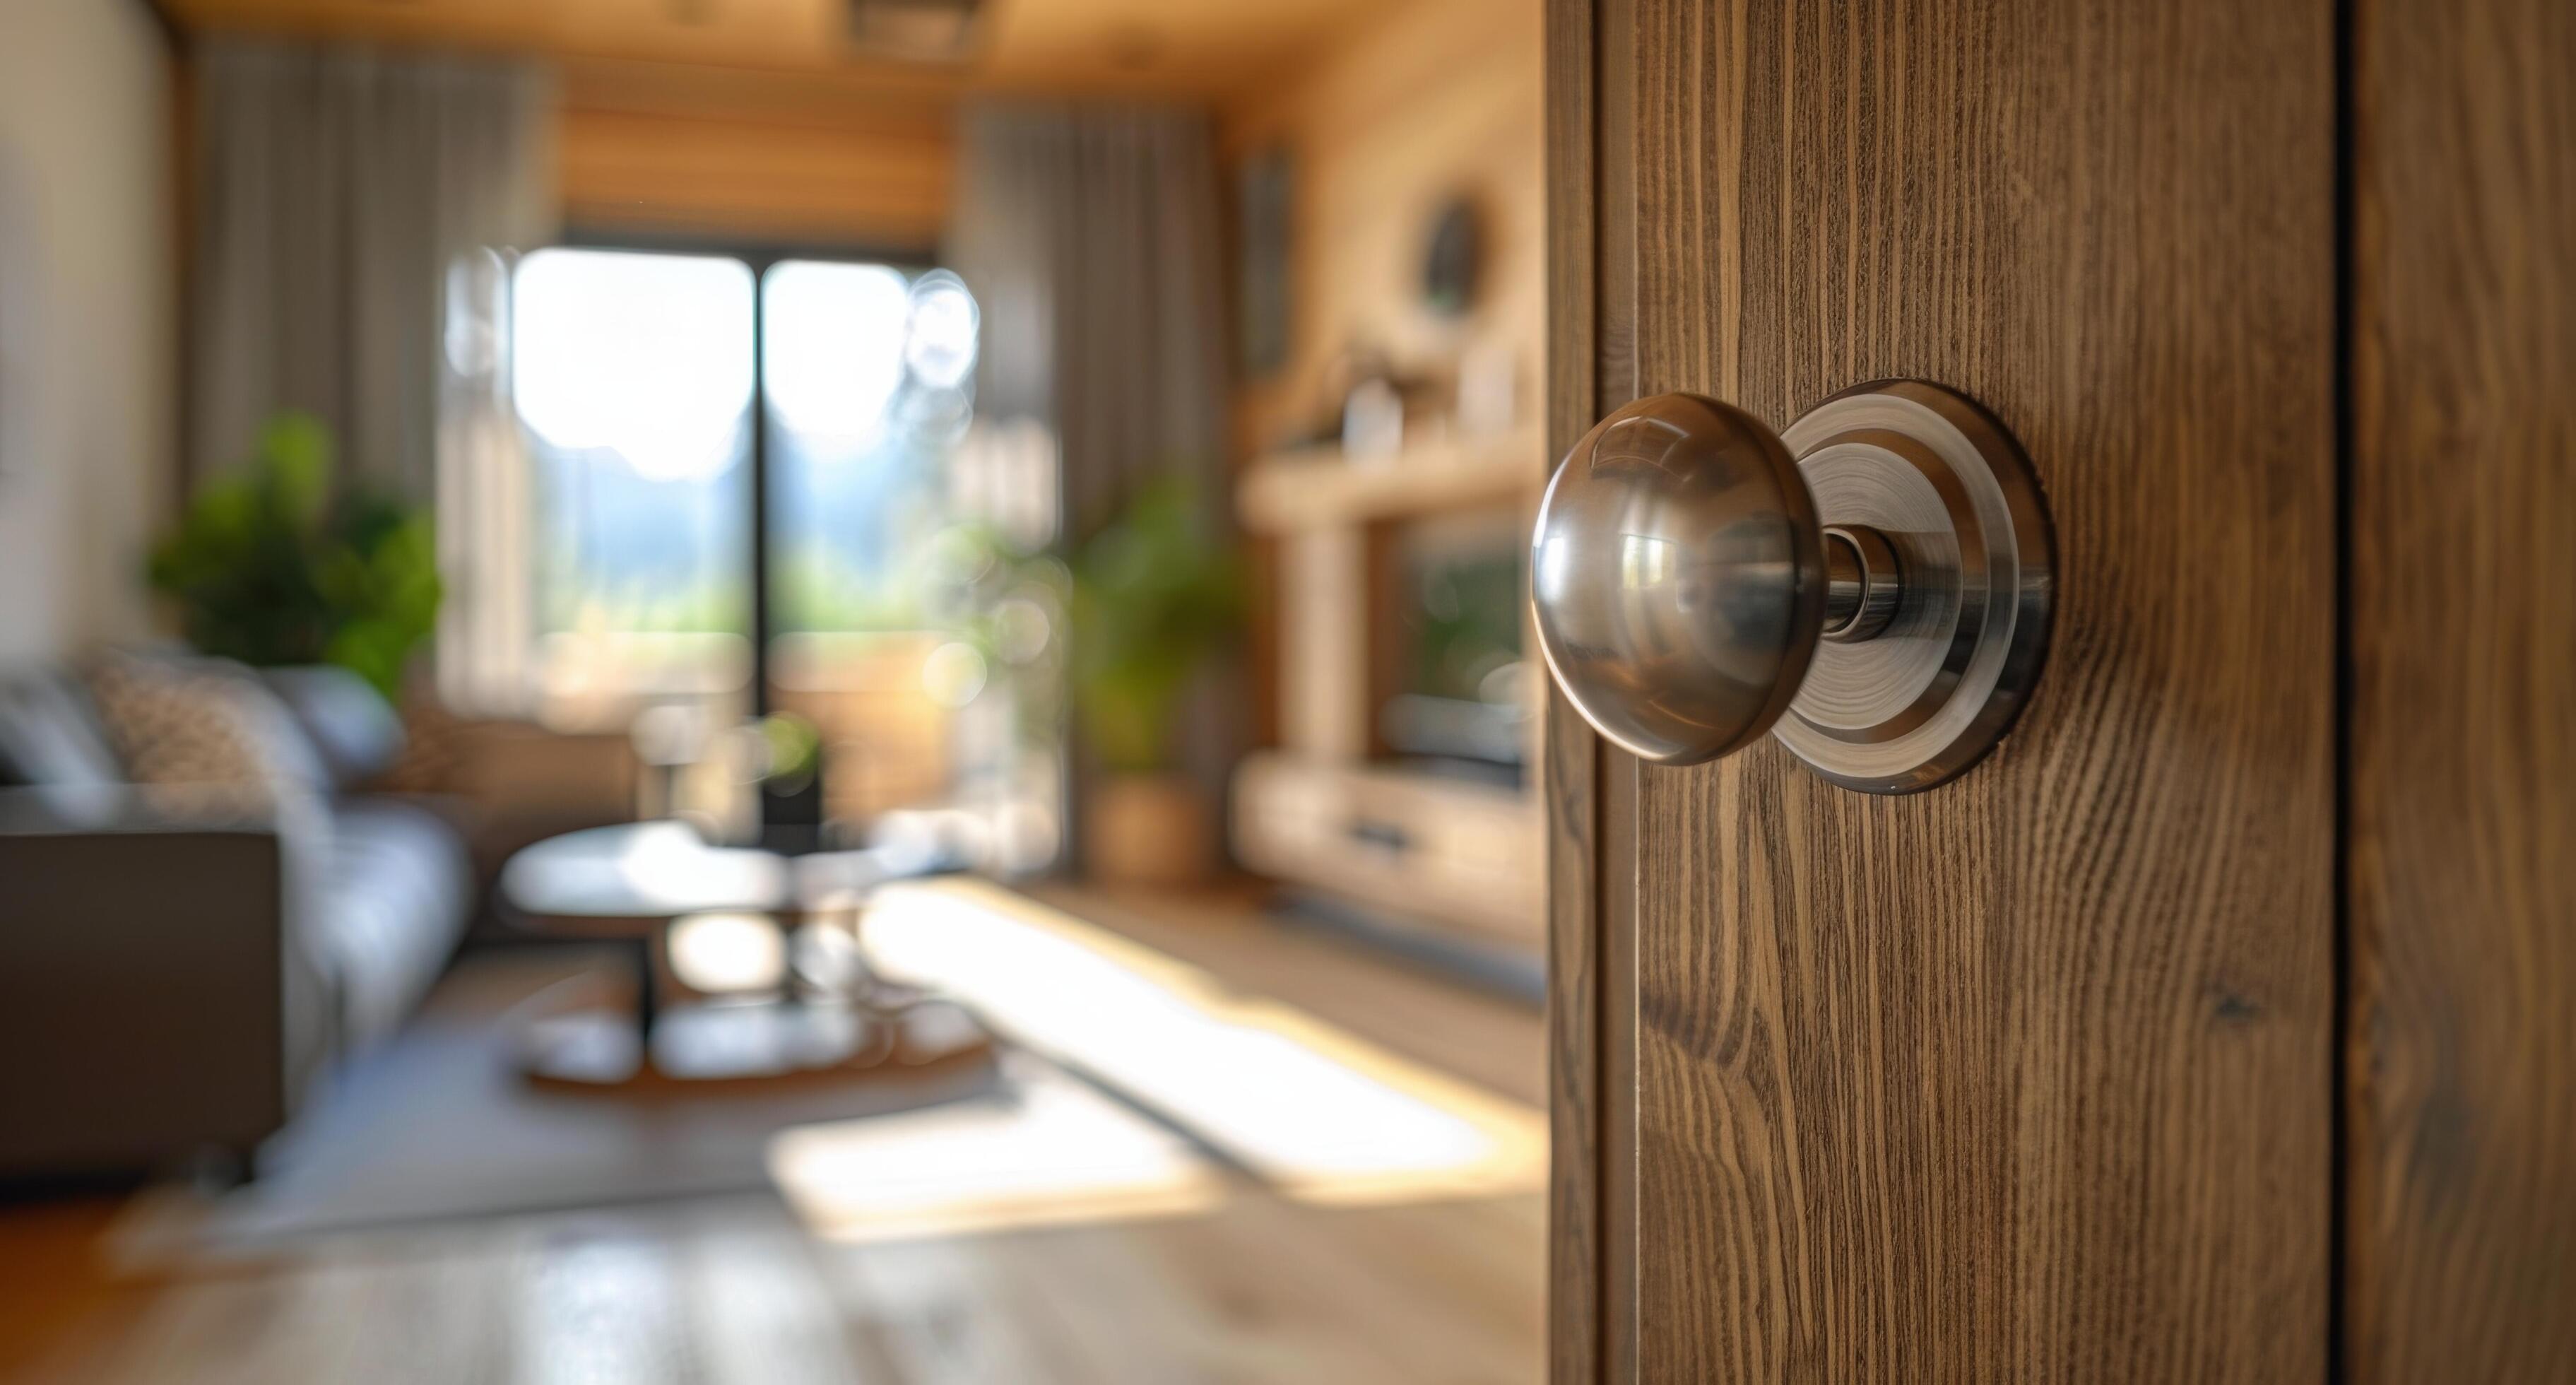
(1261, 1288)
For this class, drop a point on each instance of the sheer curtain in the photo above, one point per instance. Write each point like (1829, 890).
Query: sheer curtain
(487, 624)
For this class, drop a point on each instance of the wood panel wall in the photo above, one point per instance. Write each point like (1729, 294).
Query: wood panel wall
(1428, 99)
(677, 150)
(2461, 1041)
(1435, 98)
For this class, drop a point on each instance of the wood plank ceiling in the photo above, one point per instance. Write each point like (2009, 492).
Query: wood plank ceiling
(1176, 49)
(765, 118)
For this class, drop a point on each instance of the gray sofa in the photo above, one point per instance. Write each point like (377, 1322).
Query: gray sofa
(175, 976)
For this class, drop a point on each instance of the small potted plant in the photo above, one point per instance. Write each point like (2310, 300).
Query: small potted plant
(1156, 596)
(275, 564)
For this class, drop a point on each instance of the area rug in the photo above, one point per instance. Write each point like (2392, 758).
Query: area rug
(1134, 1086)
(439, 1124)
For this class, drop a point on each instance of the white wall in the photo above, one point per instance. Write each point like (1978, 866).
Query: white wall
(87, 319)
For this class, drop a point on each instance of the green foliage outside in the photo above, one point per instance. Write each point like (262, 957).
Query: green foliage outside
(1155, 596)
(817, 589)
(710, 607)
(273, 564)
(795, 748)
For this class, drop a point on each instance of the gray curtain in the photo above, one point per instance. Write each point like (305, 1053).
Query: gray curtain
(1090, 237)
(334, 188)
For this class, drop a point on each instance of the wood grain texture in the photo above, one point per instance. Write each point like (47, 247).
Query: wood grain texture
(2461, 1113)
(731, 1291)
(2025, 1078)
(1620, 848)
(1570, 754)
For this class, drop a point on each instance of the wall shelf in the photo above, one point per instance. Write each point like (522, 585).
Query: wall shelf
(1318, 487)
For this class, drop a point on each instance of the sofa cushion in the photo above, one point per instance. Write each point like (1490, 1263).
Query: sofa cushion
(393, 900)
(48, 737)
(349, 723)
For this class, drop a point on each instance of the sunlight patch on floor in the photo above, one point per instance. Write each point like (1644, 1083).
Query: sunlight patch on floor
(1306, 1108)
(1050, 1152)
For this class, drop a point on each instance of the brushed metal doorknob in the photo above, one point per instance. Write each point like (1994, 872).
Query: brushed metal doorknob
(1872, 586)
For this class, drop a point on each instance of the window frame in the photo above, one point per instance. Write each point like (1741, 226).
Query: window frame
(760, 255)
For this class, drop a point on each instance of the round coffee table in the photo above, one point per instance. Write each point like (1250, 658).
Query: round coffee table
(626, 885)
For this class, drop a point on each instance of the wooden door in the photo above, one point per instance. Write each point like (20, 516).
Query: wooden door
(2028, 1077)
(2221, 1026)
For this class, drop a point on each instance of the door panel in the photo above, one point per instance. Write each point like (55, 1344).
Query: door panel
(2027, 1077)
(2462, 1113)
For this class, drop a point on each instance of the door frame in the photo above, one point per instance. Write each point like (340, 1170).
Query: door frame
(1589, 785)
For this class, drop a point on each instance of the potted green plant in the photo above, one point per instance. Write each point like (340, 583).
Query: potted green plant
(274, 564)
(1156, 595)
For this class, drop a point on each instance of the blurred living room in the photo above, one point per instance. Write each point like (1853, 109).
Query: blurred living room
(770, 690)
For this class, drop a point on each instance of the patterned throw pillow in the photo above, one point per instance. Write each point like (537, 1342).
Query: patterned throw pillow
(204, 725)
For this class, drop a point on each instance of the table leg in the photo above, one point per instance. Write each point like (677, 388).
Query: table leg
(647, 999)
(786, 921)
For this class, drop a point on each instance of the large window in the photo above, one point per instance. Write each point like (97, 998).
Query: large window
(635, 378)
(854, 498)
(744, 481)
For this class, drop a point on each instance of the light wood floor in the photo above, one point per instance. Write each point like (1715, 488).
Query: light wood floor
(732, 1289)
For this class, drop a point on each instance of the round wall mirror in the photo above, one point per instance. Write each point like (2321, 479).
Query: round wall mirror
(1454, 260)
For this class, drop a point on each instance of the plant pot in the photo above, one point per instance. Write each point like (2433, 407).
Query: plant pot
(1148, 829)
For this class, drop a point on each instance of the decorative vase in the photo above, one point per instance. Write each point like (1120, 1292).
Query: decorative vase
(1148, 829)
